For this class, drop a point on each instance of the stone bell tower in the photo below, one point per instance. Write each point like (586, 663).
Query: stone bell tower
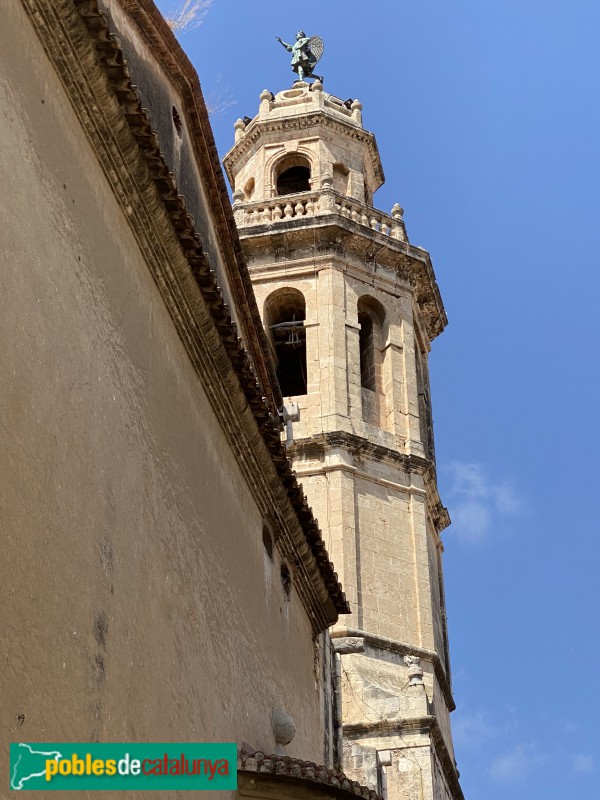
(351, 309)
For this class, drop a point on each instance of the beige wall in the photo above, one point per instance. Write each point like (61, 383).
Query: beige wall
(137, 603)
(374, 514)
(343, 143)
(335, 397)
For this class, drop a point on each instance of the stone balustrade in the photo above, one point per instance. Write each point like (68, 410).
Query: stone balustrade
(303, 204)
(310, 204)
(388, 225)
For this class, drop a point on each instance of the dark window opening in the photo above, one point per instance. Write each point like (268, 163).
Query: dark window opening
(285, 317)
(267, 541)
(368, 369)
(425, 415)
(286, 580)
(290, 346)
(293, 180)
(371, 320)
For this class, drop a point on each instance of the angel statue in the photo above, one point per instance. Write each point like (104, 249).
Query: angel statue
(306, 52)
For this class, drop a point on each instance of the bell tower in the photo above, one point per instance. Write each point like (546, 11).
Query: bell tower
(351, 309)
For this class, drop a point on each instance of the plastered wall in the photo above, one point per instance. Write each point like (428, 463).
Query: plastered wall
(137, 603)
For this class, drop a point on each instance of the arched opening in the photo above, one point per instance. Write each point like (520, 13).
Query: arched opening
(368, 378)
(285, 312)
(293, 175)
(371, 317)
(371, 321)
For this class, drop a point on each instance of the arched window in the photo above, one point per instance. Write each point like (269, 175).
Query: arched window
(293, 175)
(368, 367)
(371, 317)
(285, 312)
(371, 320)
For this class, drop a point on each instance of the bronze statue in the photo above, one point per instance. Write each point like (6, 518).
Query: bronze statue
(306, 52)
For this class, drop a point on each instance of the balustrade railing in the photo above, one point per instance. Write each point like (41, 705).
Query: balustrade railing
(310, 204)
(279, 208)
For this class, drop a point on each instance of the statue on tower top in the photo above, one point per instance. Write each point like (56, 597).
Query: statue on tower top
(306, 52)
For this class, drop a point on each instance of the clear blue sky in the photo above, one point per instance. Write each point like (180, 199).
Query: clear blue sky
(486, 114)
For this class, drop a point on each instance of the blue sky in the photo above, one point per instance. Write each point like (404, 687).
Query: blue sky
(486, 115)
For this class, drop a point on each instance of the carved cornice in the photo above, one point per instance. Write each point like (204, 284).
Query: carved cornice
(387, 727)
(337, 234)
(248, 145)
(95, 76)
(427, 726)
(403, 649)
(315, 446)
(154, 29)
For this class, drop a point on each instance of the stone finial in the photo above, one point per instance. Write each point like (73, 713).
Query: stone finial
(317, 86)
(284, 729)
(398, 228)
(265, 102)
(239, 126)
(327, 199)
(415, 673)
(238, 211)
(356, 109)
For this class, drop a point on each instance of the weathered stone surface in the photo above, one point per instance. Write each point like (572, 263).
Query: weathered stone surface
(363, 445)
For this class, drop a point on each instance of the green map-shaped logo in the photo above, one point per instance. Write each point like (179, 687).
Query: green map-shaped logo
(28, 764)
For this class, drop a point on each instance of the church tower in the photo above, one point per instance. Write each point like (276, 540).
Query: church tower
(351, 308)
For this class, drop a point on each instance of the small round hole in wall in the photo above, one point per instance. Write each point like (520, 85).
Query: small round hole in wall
(177, 121)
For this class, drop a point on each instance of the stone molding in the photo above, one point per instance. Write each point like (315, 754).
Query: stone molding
(243, 150)
(154, 29)
(341, 467)
(315, 447)
(427, 726)
(403, 649)
(380, 280)
(95, 76)
(385, 727)
(335, 234)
